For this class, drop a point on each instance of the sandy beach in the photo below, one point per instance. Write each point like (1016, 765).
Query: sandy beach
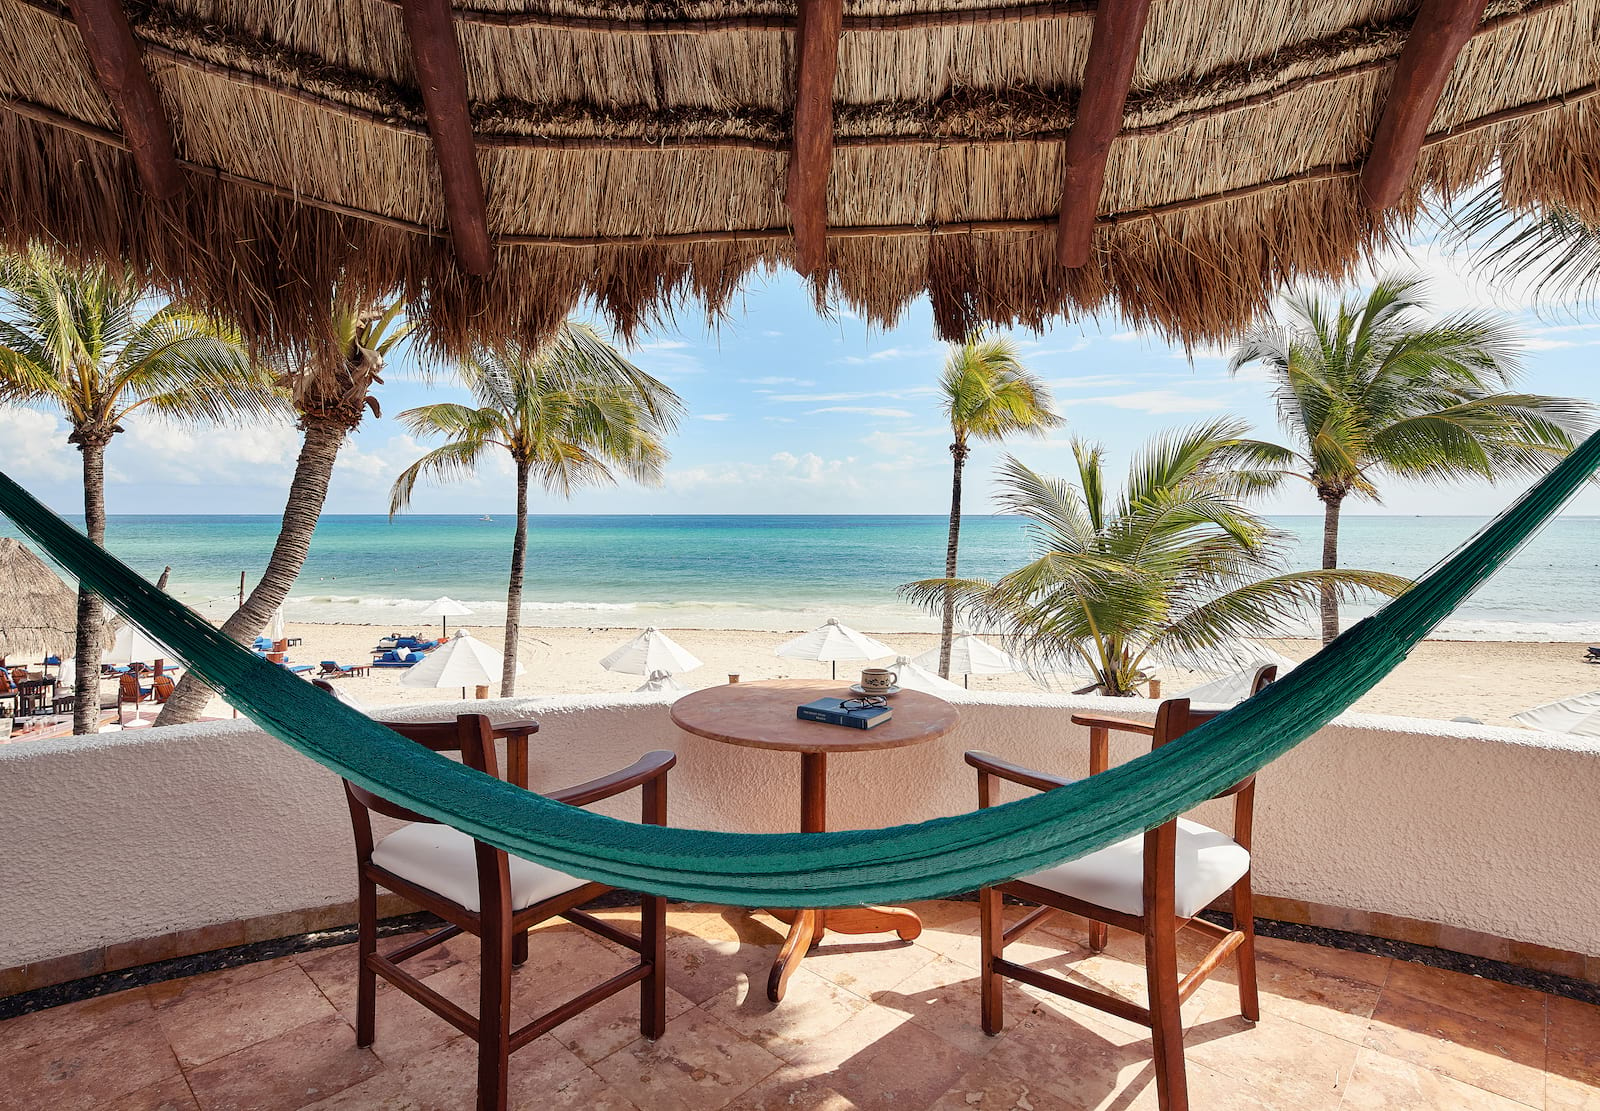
(1443, 679)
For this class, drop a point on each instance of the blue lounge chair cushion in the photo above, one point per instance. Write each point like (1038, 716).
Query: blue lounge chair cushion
(299, 668)
(413, 657)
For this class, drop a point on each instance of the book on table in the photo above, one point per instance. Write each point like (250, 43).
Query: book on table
(831, 711)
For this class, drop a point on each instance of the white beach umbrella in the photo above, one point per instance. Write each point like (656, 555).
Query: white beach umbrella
(132, 645)
(971, 656)
(1241, 658)
(650, 652)
(914, 677)
(463, 662)
(275, 626)
(660, 681)
(1579, 716)
(444, 609)
(833, 642)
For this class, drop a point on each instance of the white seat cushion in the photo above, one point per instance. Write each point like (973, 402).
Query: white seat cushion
(1207, 863)
(442, 860)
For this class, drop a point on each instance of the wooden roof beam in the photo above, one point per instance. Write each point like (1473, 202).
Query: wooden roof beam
(1442, 28)
(1113, 49)
(120, 70)
(811, 155)
(431, 30)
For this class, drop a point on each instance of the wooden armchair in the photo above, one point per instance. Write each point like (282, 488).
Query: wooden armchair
(497, 897)
(1154, 884)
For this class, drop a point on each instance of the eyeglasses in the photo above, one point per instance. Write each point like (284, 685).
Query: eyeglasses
(871, 702)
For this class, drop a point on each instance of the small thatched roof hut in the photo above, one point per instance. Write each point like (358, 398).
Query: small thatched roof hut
(499, 160)
(38, 611)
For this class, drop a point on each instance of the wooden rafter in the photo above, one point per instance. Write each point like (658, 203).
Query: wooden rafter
(443, 78)
(1118, 29)
(811, 156)
(1441, 29)
(120, 71)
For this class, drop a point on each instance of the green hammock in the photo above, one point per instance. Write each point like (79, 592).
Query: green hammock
(845, 868)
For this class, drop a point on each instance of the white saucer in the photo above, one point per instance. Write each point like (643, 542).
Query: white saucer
(891, 691)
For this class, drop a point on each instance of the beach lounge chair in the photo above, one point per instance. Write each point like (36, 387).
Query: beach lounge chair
(333, 669)
(416, 644)
(484, 891)
(1593, 654)
(130, 690)
(393, 658)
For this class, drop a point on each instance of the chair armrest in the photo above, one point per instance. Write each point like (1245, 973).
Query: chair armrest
(989, 764)
(1127, 725)
(650, 766)
(518, 727)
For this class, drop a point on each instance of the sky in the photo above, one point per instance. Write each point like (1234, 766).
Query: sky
(794, 412)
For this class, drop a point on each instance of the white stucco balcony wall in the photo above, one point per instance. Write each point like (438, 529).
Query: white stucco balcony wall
(136, 834)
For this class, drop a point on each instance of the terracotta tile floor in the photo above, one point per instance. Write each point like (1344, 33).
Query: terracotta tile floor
(867, 1024)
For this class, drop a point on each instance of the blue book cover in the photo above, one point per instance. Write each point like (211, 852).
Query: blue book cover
(832, 712)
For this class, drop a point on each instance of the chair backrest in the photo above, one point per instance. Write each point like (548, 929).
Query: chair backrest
(161, 687)
(472, 735)
(128, 689)
(6, 685)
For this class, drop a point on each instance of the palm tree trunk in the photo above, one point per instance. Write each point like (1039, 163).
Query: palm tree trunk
(958, 454)
(91, 623)
(309, 489)
(1330, 560)
(519, 556)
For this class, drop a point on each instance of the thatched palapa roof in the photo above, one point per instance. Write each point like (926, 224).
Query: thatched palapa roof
(38, 611)
(1174, 160)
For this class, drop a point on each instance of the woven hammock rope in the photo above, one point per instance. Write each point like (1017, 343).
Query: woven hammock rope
(930, 859)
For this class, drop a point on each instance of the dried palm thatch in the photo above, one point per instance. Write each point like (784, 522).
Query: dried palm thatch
(38, 611)
(637, 152)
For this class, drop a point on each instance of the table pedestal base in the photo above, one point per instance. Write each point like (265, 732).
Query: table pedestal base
(807, 928)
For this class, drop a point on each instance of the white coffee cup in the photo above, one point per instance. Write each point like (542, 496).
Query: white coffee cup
(878, 680)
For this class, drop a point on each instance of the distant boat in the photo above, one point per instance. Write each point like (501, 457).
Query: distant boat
(486, 517)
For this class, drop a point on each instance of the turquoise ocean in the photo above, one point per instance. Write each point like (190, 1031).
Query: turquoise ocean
(766, 572)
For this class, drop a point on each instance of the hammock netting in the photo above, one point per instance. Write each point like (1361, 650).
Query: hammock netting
(929, 859)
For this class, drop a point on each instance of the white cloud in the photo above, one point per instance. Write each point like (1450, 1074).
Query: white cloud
(779, 420)
(865, 410)
(1089, 382)
(776, 380)
(1154, 401)
(1123, 337)
(202, 455)
(781, 470)
(1536, 343)
(857, 395)
(714, 416)
(663, 345)
(33, 444)
(771, 334)
(893, 354)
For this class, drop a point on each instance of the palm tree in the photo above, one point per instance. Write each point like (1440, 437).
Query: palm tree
(987, 394)
(98, 345)
(1172, 568)
(1552, 246)
(570, 413)
(330, 396)
(1371, 388)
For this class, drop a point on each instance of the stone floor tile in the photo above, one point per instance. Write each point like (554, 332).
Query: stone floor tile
(698, 1065)
(168, 1095)
(1500, 1056)
(1291, 1064)
(222, 1016)
(1081, 1062)
(563, 966)
(446, 1079)
(168, 992)
(864, 963)
(988, 1087)
(1563, 1094)
(906, 1067)
(72, 1022)
(584, 1092)
(308, 1063)
(1572, 1039)
(719, 952)
(811, 1007)
(792, 1089)
(1504, 1004)
(95, 1057)
(608, 1026)
(1383, 1083)
(942, 997)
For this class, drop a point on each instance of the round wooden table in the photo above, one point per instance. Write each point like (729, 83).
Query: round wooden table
(761, 715)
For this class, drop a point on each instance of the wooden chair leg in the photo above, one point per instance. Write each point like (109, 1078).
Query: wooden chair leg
(1166, 1016)
(991, 985)
(366, 946)
(519, 947)
(494, 1016)
(1244, 921)
(653, 988)
(1099, 936)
